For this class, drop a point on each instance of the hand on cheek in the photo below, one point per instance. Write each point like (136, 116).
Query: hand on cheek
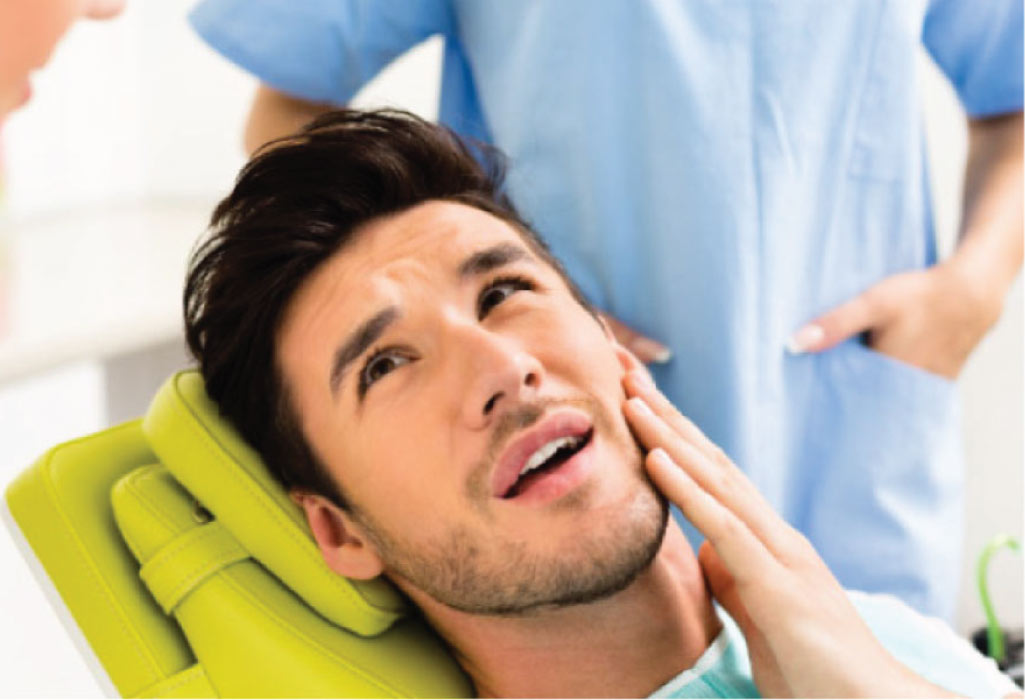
(632, 365)
(800, 627)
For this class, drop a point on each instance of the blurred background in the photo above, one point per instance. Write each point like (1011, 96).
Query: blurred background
(109, 176)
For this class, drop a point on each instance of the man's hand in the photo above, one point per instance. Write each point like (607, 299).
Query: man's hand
(804, 637)
(931, 319)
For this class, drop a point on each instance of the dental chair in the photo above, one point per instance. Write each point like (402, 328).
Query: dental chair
(190, 573)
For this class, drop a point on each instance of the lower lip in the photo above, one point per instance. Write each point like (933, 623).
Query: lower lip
(555, 484)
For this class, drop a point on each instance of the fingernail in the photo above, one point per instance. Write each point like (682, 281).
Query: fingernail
(641, 379)
(805, 338)
(661, 457)
(638, 405)
(648, 348)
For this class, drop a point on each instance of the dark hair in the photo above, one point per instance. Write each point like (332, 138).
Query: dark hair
(294, 204)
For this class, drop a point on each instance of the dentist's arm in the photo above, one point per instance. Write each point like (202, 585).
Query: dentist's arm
(934, 318)
(990, 248)
(275, 114)
(805, 638)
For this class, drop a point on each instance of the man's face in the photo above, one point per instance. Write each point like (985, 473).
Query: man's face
(434, 359)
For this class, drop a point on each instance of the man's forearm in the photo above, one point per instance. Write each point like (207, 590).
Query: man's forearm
(275, 114)
(989, 251)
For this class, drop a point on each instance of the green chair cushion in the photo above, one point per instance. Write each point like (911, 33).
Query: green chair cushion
(61, 506)
(207, 456)
(252, 635)
(228, 598)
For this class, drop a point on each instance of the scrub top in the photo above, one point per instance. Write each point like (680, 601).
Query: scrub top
(925, 645)
(715, 174)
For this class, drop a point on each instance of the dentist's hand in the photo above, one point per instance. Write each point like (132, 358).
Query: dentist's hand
(804, 637)
(931, 319)
(647, 350)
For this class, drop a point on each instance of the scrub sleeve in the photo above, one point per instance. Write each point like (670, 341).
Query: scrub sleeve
(319, 50)
(978, 45)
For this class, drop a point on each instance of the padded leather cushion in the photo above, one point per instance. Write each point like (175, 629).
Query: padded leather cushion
(61, 505)
(208, 457)
(251, 635)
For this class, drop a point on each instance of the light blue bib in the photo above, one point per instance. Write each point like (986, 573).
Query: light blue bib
(926, 645)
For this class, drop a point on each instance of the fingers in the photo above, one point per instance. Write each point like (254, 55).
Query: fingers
(741, 552)
(722, 482)
(640, 384)
(722, 584)
(847, 320)
(631, 363)
(724, 588)
(663, 426)
(647, 350)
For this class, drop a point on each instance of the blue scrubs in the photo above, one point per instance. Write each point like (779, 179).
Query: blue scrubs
(715, 174)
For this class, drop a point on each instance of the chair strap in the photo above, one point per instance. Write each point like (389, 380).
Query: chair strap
(186, 561)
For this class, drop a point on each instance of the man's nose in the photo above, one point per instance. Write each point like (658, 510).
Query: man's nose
(500, 372)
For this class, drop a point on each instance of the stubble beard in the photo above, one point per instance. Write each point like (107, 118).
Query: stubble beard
(475, 572)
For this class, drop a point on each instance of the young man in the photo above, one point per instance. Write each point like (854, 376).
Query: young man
(414, 366)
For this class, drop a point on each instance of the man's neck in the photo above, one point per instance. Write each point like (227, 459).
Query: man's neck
(627, 645)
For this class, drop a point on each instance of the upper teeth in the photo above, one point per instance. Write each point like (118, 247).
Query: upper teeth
(545, 452)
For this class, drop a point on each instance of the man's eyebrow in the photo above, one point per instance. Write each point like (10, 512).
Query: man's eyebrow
(479, 263)
(486, 260)
(358, 341)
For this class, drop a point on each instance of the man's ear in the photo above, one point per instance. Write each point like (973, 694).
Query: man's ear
(341, 540)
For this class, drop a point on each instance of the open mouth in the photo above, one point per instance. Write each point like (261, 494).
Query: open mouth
(547, 459)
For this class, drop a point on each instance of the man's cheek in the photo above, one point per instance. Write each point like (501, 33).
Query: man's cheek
(597, 356)
(597, 373)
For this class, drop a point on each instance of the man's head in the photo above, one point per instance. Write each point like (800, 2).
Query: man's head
(381, 325)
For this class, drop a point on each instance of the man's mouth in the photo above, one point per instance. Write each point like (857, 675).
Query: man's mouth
(540, 453)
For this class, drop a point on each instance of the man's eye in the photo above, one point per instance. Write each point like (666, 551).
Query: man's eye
(498, 291)
(380, 364)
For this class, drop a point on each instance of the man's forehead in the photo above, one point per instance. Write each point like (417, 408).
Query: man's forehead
(439, 233)
(430, 240)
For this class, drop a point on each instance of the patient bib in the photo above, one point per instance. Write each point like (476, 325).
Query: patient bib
(925, 645)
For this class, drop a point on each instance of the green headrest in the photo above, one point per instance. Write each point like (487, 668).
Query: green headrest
(208, 457)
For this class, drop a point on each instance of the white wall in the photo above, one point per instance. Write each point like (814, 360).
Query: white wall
(132, 108)
(148, 112)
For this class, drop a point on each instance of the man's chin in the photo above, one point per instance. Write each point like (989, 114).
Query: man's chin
(582, 556)
(622, 572)
(597, 570)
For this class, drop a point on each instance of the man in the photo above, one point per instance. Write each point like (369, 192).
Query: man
(717, 175)
(449, 412)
